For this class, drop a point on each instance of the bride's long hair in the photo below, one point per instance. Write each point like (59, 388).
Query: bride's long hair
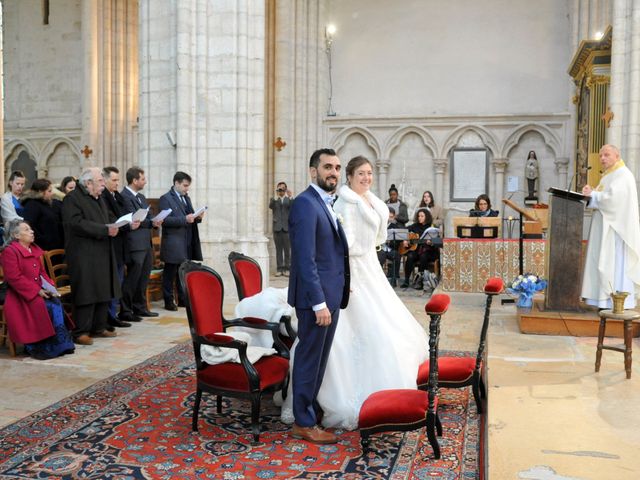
(354, 164)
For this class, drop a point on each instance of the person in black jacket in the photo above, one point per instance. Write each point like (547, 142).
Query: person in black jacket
(180, 239)
(43, 216)
(426, 250)
(115, 205)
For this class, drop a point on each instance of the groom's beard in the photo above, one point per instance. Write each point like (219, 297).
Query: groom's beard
(322, 183)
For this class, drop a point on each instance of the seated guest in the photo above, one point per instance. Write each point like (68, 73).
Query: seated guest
(389, 250)
(426, 249)
(482, 207)
(34, 317)
(436, 211)
(11, 207)
(43, 215)
(402, 215)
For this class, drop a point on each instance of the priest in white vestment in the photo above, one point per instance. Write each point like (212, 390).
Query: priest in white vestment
(613, 252)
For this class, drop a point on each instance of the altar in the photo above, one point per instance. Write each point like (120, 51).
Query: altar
(466, 264)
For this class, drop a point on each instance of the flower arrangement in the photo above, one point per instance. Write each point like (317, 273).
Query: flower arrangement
(525, 286)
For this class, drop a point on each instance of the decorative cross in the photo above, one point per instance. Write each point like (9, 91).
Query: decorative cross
(279, 144)
(86, 151)
(607, 117)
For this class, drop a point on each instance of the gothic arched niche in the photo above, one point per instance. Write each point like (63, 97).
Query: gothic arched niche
(26, 165)
(354, 145)
(531, 140)
(63, 161)
(411, 168)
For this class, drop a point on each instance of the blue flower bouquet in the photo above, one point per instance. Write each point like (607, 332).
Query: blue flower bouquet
(525, 286)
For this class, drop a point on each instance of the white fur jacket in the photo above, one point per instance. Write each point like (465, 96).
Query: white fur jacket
(365, 227)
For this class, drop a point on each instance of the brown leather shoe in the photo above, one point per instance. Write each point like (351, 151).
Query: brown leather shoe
(104, 334)
(313, 434)
(83, 340)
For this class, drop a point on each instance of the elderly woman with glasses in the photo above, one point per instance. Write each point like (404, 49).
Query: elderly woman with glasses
(34, 315)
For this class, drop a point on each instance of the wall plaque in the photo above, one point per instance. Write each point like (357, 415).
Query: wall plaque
(469, 174)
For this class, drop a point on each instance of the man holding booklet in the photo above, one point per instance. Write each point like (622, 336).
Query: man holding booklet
(133, 304)
(180, 239)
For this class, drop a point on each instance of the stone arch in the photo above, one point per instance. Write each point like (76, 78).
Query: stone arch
(60, 157)
(547, 134)
(398, 135)
(14, 152)
(340, 139)
(452, 140)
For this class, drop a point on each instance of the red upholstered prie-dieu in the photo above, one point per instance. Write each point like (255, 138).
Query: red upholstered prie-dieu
(494, 285)
(393, 407)
(232, 376)
(438, 304)
(250, 277)
(450, 369)
(205, 296)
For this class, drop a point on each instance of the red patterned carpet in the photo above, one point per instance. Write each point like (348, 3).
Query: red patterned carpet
(137, 425)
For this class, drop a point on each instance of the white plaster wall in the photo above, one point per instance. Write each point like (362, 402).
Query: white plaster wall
(434, 57)
(42, 65)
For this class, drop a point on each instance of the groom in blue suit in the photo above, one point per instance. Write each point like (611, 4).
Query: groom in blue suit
(318, 288)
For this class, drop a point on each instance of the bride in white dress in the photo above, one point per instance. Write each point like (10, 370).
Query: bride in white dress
(378, 344)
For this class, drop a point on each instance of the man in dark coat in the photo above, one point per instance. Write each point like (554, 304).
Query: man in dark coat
(134, 288)
(280, 205)
(90, 257)
(180, 239)
(115, 205)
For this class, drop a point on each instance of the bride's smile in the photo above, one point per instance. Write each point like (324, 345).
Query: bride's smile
(361, 180)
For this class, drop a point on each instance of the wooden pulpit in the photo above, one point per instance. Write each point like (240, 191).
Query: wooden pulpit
(563, 266)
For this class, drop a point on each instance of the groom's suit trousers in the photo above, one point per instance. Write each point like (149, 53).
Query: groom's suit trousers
(310, 363)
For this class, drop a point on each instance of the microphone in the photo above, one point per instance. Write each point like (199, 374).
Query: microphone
(574, 176)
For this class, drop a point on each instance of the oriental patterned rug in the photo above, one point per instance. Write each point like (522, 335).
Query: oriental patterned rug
(137, 425)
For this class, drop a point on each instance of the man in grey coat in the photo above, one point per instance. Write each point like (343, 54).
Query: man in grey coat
(180, 239)
(90, 257)
(280, 205)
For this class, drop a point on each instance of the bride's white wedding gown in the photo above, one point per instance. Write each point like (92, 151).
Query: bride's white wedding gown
(378, 344)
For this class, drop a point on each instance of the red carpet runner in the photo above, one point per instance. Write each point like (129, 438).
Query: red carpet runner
(137, 425)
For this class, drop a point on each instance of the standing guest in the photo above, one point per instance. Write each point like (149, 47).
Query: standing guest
(90, 258)
(43, 215)
(318, 289)
(435, 210)
(115, 206)
(134, 288)
(180, 239)
(280, 205)
(426, 251)
(10, 205)
(34, 317)
(613, 251)
(68, 184)
(402, 214)
(482, 207)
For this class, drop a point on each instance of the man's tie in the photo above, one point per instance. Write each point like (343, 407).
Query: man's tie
(139, 199)
(184, 200)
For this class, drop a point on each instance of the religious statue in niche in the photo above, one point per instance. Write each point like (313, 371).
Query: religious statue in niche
(531, 172)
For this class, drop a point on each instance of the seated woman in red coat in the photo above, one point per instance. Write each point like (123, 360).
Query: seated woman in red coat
(34, 317)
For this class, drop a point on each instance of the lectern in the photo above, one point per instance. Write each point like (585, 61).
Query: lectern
(564, 250)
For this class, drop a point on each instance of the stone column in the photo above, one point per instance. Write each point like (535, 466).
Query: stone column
(617, 96)
(499, 167)
(381, 182)
(202, 111)
(440, 167)
(90, 109)
(562, 168)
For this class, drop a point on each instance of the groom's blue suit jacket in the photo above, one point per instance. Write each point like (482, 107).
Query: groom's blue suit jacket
(319, 255)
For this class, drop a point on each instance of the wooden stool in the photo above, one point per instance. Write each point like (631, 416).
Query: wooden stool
(628, 316)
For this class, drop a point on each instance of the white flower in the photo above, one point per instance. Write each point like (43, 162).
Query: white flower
(340, 218)
(532, 278)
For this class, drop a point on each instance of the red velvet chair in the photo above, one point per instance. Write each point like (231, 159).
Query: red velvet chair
(459, 372)
(405, 409)
(204, 292)
(248, 277)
